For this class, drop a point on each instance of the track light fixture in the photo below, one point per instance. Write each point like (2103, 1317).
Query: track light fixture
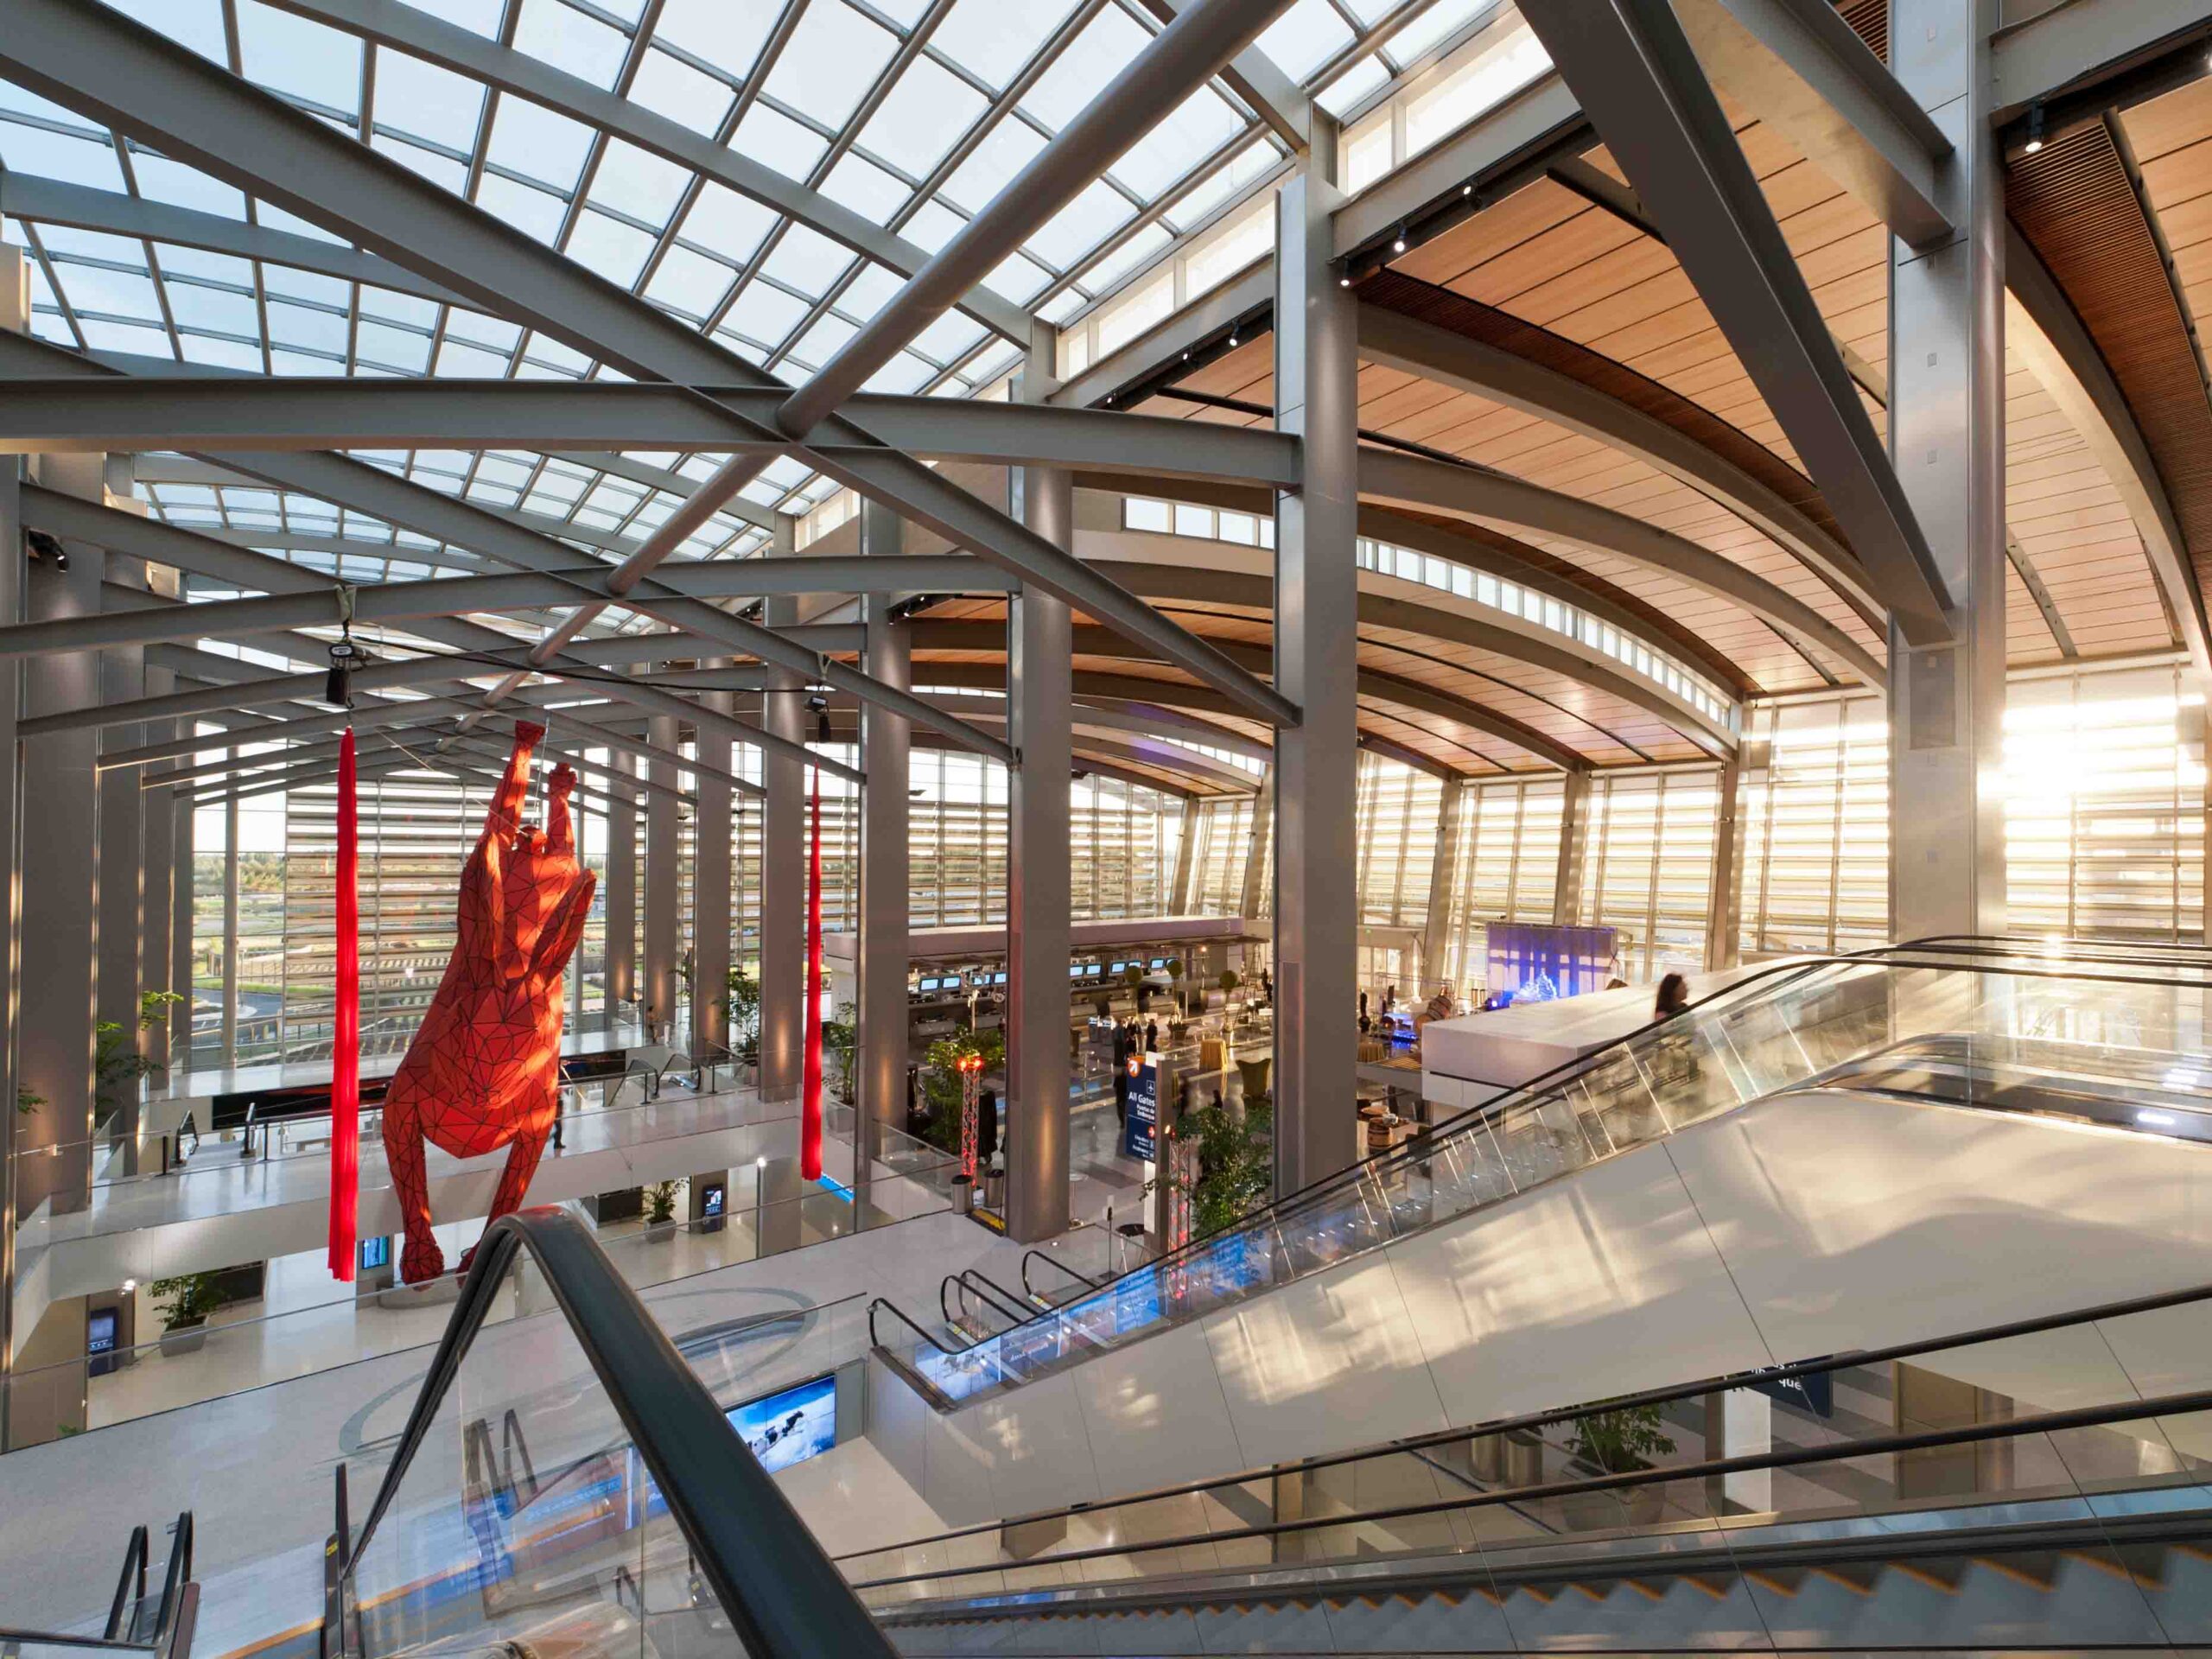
(2034, 129)
(1398, 242)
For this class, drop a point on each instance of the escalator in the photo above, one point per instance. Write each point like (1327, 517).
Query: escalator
(1877, 1067)
(2034, 1485)
(158, 1626)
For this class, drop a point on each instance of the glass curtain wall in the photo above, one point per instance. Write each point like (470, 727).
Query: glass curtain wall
(1506, 866)
(1648, 868)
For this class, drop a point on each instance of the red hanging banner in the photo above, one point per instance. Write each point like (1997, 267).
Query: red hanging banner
(346, 1047)
(810, 1122)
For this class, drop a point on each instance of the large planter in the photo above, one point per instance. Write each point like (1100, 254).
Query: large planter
(185, 1339)
(1255, 1074)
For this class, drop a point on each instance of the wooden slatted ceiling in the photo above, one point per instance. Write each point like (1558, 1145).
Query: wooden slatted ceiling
(2142, 327)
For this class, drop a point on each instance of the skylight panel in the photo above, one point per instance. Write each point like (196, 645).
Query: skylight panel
(92, 288)
(774, 140)
(300, 59)
(1009, 145)
(903, 375)
(532, 141)
(670, 87)
(820, 343)
(459, 359)
(1127, 258)
(195, 24)
(951, 337)
(276, 218)
(536, 213)
(1304, 37)
(1018, 279)
(1101, 51)
(1221, 184)
(932, 226)
(766, 314)
(728, 36)
(1201, 124)
(290, 281)
(568, 40)
(689, 282)
(93, 244)
(220, 353)
(1432, 27)
(807, 261)
(615, 251)
(440, 170)
(866, 188)
(1080, 226)
(165, 180)
(206, 308)
(829, 63)
(54, 155)
(992, 40)
(107, 334)
(641, 185)
(398, 307)
(394, 348)
(426, 101)
(922, 117)
(1356, 83)
(302, 363)
(496, 333)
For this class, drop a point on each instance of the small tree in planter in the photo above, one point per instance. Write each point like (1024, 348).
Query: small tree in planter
(1133, 976)
(1620, 1442)
(741, 1015)
(192, 1297)
(1175, 981)
(660, 1207)
(1236, 1163)
(840, 1046)
(116, 1063)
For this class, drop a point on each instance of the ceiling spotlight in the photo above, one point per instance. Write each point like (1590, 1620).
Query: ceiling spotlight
(1398, 242)
(2034, 129)
(1232, 340)
(1344, 282)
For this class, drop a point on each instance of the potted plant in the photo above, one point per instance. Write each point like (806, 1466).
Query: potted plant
(1254, 1075)
(1618, 1442)
(1175, 981)
(116, 1063)
(741, 1015)
(1236, 1163)
(1133, 976)
(192, 1297)
(660, 1208)
(840, 1041)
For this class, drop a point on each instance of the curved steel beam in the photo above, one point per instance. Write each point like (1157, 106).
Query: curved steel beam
(1377, 683)
(1389, 475)
(1450, 358)
(2052, 340)
(1112, 737)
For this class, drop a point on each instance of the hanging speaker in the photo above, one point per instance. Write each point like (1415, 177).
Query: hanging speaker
(338, 684)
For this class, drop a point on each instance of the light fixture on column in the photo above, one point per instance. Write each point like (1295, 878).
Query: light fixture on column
(2034, 129)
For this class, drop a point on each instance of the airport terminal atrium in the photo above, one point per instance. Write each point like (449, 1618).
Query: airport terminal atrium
(1108, 827)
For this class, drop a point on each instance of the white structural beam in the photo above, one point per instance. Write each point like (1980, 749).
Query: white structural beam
(1634, 70)
(1274, 97)
(2053, 49)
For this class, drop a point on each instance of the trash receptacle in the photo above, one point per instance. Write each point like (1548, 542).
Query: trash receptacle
(964, 1196)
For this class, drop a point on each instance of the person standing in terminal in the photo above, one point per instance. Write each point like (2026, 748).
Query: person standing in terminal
(1121, 1073)
(1152, 1036)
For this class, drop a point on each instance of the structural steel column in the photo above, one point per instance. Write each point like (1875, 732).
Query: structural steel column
(1039, 689)
(782, 861)
(183, 963)
(621, 890)
(886, 740)
(1947, 441)
(1186, 860)
(61, 872)
(710, 863)
(230, 926)
(157, 831)
(1250, 889)
(1723, 912)
(1573, 850)
(1436, 935)
(15, 299)
(122, 889)
(1316, 666)
(664, 857)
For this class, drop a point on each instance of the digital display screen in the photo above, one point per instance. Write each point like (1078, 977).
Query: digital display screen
(998, 979)
(1091, 972)
(790, 1427)
(1159, 962)
(1076, 971)
(715, 1200)
(99, 1331)
(376, 1252)
(931, 984)
(1119, 966)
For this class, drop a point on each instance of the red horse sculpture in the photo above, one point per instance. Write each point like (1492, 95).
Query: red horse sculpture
(483, 1071)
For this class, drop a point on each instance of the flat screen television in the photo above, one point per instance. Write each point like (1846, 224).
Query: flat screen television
(790, 1426)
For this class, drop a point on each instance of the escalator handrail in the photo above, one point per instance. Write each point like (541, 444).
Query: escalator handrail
(1423, 1144)
(994, 1296)
(2050, 1422)
(786, 1598)
(1052, 1260)
(1552, 1416)
(133, 1577)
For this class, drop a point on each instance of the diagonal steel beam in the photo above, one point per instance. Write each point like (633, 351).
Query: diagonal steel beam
(1252, 75)
(1173, 64)
(1633, 69)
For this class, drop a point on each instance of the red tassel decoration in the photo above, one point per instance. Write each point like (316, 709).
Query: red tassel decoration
(346, 1046)
(810, 1122)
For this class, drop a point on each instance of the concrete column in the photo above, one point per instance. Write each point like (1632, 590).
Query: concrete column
(783, 863)
(1039, 689)
(664, 857)
(1436, 934)
(710, 908)
(1947, 441)
(1255, 845)
(157, 831)
(1316, 666)
(60, 856)
(1573, 850)
(621, 891)
(1724, 909)
(886, 740)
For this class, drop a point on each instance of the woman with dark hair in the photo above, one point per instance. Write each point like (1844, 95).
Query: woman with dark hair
(1674, 997)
